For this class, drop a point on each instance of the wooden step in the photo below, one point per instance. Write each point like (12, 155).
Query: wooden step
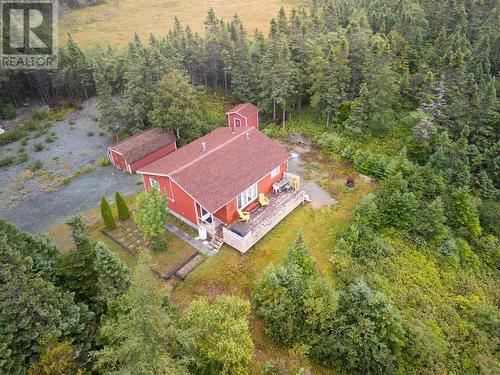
(216, 242)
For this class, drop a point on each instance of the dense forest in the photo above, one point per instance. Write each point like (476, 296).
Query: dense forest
(404, 90)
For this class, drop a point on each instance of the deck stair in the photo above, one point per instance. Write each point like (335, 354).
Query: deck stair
(216, 242)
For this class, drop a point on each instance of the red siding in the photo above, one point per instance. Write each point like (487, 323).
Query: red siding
(117, 160)
(254, 120)
(178, 200)
(265, 186)
(165, 150)
(182, 203)
(244, 122)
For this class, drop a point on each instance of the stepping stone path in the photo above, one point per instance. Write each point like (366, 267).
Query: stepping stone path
(198, 245)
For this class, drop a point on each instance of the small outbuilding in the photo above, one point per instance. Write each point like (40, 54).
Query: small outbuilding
(244, 115)
(141, 149)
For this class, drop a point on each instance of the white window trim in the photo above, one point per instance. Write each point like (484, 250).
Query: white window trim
(246, 197)
(237, 122)
(275, 171)
(154, 184)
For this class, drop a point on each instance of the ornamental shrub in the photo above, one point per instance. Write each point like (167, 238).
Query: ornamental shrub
(107, 215)
(121, 205)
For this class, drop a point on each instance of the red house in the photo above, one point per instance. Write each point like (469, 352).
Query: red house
(243, 115)
(141, 149)
(210, 181)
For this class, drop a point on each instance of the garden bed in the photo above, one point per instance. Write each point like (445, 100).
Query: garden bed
(165, 262)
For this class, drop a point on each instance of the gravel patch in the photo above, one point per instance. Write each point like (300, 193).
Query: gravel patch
(69, 180)
(319, 197)
(75, 149)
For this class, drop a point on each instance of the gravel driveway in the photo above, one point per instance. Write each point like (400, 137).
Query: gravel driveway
(39, 213)
(36, 200)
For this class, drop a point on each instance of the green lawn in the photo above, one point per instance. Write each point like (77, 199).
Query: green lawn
(231, 273)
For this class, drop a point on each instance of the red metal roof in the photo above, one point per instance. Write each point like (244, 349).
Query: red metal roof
(245, 110)
(143, 144)
(231, 163)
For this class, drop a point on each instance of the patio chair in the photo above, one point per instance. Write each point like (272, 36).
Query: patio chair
(263, 199)
(244, 216)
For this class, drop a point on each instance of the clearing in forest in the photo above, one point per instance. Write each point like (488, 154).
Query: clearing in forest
(116, 21)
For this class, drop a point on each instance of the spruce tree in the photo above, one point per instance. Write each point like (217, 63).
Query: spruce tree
(109, 118)
(113, 275)
(141, 334)
(122, 208)
(107, 215)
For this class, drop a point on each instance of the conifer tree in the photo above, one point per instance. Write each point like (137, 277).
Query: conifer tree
(113, 275)
(122, 208)
(138, 86)
(222, 342)
(140, 334)
(284, 78)
(107, 215)
(109, 117)
(330, 76)
(358, 121)
(463, 214)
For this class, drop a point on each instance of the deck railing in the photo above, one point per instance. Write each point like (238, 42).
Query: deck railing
(268, 222)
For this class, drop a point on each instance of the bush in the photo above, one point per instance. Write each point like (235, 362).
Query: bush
(90, 133)
(371, 164)
(35, 166)
(121, 206)
(20, 131)
(6, 161)
(38, 147)
(9, 111)
(331, 143)
(39, 114)
(22, 157)
(463, 214)
(104, 162)
(107, 215)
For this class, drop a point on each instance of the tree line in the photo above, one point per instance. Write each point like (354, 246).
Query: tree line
(85, 311)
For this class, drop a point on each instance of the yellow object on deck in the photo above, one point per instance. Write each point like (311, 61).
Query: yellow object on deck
(295, 183)
(263, 199)
(244, 216)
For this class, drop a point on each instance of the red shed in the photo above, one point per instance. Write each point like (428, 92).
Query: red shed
(141, 149)
(243, 115)
(210, 179)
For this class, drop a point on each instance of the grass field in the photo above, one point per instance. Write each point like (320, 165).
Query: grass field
(116, 21)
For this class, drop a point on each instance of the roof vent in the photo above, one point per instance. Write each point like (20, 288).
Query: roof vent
(203, 147)
(247, 135)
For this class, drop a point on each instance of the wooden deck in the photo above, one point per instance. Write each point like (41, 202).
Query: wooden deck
(262, 220)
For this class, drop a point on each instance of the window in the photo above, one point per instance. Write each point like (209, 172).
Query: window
(237, 122)
(275, 172)
(154, 184)
(247, 196)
